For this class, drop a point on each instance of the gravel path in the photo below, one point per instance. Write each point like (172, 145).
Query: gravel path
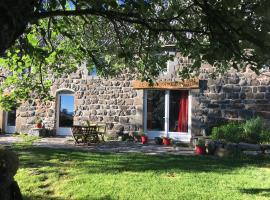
(7, 140)
(110, 146)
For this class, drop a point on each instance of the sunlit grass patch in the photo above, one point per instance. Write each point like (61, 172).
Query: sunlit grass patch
(70, 174)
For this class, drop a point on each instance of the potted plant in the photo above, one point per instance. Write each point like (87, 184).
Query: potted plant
(210, 147)
(39, 123)
(144, 138)
(136, 137)
(200, 147)
(166, 141)
(158, 140)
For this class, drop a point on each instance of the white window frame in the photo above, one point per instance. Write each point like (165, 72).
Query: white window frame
(180, 136)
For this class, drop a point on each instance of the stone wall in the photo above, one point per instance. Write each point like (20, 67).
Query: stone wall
(232, 97)
(111, 100)
(235, 96)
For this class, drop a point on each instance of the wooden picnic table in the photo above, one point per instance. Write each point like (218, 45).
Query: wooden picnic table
(88, 134)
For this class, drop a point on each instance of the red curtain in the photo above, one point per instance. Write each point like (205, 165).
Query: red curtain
(183, 112)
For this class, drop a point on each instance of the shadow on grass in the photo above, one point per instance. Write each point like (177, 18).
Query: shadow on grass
(39, 197)
(89, 162)
(42, 197)
(257, 191)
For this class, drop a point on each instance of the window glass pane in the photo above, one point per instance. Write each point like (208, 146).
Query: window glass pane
(11, 118)
(66, 110)
(174, 110)
(155, 110)
(178, 113)
(92, 71)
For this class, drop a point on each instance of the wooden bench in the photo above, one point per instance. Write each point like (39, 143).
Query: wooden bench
(85, 134)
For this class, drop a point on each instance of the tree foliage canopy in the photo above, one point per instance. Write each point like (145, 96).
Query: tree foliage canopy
(133, 34)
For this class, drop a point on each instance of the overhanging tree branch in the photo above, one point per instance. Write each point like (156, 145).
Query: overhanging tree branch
(153, 24)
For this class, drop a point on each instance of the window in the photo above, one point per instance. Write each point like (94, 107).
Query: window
(66, 110)
(155, 110)
(27, 70)
(265, 68)
(11, 118)
(178, 111)
(170, 63)
(93, 71)
(167, 110)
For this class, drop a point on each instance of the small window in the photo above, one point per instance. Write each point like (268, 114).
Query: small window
(265, 68)
(93, 71)
(26, 70)
(170, 63)
(166, 70)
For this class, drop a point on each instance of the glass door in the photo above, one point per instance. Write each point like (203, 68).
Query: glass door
(178, 111)
(167, 113)
(65, 114)
(155, 110)
(155, 116)
(11, 122)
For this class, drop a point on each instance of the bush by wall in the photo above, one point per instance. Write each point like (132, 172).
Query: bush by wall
(228, 132)
(251, 131)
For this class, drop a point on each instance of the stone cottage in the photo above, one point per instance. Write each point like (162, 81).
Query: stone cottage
(171, 107)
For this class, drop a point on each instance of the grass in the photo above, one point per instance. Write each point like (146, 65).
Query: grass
(79, 175)
(27, 139)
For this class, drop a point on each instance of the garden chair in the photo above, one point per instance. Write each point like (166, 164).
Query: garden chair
(101, 130)
(90, 134)
(85, 134)
(77, 134)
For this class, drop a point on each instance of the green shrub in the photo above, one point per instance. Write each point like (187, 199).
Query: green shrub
(265, 136)
(251, 131)
(229, 132)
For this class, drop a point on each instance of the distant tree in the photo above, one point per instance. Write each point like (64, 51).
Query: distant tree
(49, 38)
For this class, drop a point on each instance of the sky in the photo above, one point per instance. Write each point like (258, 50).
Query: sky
(67, 102)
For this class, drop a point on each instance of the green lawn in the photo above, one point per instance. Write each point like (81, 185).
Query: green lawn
(68, 174)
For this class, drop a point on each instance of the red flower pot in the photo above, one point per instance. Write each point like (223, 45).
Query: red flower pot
(144, 139)
(166, 141)
(39, 125)
(199, 150)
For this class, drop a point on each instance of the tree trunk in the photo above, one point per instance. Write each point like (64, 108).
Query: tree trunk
(9, 163)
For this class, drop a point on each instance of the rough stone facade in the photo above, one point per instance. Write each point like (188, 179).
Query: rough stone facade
(232, 97)
(112, 101)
